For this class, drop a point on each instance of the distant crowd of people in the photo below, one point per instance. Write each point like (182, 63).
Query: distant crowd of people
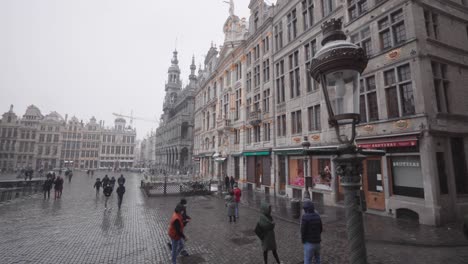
(107, 185)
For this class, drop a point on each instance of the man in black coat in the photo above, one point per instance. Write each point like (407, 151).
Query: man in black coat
(311, 230)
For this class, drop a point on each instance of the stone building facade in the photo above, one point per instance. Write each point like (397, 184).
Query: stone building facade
(118, 146)
(413, 104)
(9, 128)
(174, 136)
(47, 142)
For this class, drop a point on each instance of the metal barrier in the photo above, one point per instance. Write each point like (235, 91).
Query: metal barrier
(10, 190)
(185, 188)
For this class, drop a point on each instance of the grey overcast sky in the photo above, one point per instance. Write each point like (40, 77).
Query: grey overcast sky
(95, 57)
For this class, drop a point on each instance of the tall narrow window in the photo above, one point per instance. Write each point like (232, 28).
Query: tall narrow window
(292, 25)
(441, 86)
(356, 8)
(307, 13)
(363, 39)
(266, 101)
(392, 30)
(327, 7)
(313, 116)
(266, 70)
(279, 36)
(296, 122)
(266, 131)
(280, 88)
(294, 75)
(368, 100)
(399, 92)
(431, 21)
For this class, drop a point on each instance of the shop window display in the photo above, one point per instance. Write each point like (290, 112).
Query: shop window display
(321, 174)
(296, 172)
(407, 177)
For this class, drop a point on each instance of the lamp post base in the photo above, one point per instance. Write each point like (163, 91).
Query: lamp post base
(349, 168)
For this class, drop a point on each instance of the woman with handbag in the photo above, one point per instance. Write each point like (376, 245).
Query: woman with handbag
(265, 230)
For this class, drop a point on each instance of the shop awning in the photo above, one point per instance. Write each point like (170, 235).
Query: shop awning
(257, 153)
(388, 142)
(316, 150)
(219, 159)
(236, 154)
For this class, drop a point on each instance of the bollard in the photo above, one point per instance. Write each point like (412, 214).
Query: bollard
(296, 208)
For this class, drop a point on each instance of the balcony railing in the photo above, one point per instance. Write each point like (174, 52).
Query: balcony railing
(255, 117)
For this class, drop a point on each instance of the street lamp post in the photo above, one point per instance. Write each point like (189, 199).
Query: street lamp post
(337, 66)
(307, 179)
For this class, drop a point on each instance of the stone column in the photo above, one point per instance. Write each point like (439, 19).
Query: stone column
(349, 167)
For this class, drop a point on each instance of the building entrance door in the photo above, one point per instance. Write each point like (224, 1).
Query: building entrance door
(373, 183)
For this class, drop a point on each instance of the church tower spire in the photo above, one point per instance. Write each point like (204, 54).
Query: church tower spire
(173, 71)
(192, 76)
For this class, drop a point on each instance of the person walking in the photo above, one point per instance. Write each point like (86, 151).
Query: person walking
(97, 185)
(311, 230)
(112, 182)
(120, 192)
(185, 220)
(230, 204)
(47, 186)
(58, 187)
(226, 182)
(121, 180)
(69, 174)
(232, 181)
(105, 180)
(265, 229)
(176, 232)
(237, 197)
(107, 193)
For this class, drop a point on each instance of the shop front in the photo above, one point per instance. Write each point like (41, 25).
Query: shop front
(394, 183)
(258, 170)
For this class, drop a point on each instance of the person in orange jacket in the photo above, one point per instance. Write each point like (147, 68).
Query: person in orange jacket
(176, 231)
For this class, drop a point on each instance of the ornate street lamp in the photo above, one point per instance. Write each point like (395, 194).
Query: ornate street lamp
(307, 179)
(337, 66)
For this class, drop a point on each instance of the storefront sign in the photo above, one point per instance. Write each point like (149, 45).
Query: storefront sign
(397, 144)
(406, 164)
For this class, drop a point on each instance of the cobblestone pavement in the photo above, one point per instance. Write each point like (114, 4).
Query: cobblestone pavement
(76, 229)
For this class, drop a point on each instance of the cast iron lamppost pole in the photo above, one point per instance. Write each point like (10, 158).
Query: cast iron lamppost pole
(307, 179)
(337, 66)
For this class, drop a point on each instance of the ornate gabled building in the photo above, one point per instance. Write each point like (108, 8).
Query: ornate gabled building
(27, 139)
(9, 128)
(118, 146)
(174, 136)
(256, 102)
(49, 142)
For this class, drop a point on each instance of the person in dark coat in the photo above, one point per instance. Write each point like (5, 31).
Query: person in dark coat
(105, 181)
(97, 185)
(58, 187)
(107, 194)
(231, 206)
(121, 180)
(120, 192)
(226, 182)
(267, 227)
(47, 186)
(311, 230)
(112, 182)
(232, 181)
